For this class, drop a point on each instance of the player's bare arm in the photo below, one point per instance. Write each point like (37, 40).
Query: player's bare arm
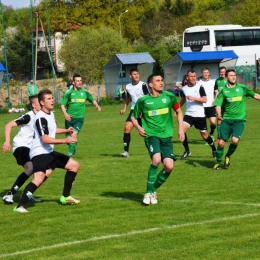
(138, 127)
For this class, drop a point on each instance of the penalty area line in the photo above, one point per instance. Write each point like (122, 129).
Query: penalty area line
(135, 232)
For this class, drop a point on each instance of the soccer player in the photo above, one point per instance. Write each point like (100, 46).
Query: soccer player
(211, 92)
(231, 111)
(21, 147)
(220, 83)
(134, 90)
(157, 130)
(194, 95)
(44, 157)
(73, 107)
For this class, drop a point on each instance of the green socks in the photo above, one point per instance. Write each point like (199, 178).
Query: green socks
(72, 147)
(219, 153)
(151, 178)
(161, 178)
(231, 149)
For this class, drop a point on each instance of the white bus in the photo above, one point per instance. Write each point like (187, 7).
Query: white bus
(244, 41)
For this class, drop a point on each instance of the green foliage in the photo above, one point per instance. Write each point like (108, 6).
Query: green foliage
(110, 101)
(88, 50)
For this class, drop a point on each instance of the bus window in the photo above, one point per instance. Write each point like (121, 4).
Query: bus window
(243, 38)
(256, 37)
(224, 38)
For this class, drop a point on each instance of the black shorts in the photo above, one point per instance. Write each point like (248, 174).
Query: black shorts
(43, 162)
(210, 112)
(199, 122)
(21, 155)
(129, 118)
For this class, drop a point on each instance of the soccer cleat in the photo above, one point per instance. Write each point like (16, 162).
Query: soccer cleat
(186, 154)
(216, 166)
(125, 154)
(8, 198)
(21, 209)
(154, 199)
(69, 200)
(32, 199)
(206, 143)
(214, 154)
(147, 199)
(227, 162)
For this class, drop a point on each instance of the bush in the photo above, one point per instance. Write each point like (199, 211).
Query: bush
(110, 101)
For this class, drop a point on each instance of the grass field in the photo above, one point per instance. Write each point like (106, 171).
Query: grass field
(201, 214)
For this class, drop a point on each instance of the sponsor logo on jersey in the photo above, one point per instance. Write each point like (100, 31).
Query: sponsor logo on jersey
(158, 112)
(234, 99)
(149, 103)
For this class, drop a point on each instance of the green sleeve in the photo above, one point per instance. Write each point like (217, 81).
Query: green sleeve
(89, 97)
(65, 97)
(219, 100)
(250, 93)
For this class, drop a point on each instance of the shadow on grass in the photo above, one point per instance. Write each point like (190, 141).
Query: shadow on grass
(124, 195)
(111, 155)
(198, 163)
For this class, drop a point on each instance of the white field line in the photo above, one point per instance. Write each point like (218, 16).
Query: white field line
(135, 232)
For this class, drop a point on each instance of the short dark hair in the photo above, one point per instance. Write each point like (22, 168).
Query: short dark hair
(76, 76)
(222, 67)
(32, 99)
(190, 71)
(42, 94)
(150, 78)
(229, 70)
(133, 69)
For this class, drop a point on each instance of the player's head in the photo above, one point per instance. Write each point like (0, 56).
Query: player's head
(34, 103)
(134, 75)
(155, 82)
(42, 95)
(205, 73)
(231, 76)
(192, 77)
(222, 72)
(77, 80)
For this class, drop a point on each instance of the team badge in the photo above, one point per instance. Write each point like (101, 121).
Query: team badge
(164, 100)
(237, 90)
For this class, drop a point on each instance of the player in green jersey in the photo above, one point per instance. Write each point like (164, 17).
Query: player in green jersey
(220, 83)
(157, 130)
(231, 110)
(73, 107)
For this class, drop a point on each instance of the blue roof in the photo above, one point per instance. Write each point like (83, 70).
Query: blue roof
(201, 57)
(130, 59)
(2, 68)
(207, 55)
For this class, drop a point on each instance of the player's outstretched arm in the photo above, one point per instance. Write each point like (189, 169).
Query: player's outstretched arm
(96, 105)
(138, 127)
(8, 130)
(257, 96)
(66, 115)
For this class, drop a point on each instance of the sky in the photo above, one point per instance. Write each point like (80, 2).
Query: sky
(19, 3)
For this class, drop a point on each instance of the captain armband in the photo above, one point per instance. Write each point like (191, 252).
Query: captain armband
(176, 106)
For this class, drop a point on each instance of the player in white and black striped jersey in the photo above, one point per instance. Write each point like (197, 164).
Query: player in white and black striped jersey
(21, 147)
(135, 90)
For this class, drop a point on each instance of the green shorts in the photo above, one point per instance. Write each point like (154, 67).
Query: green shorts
(160, 145)
(76, 123)
(232, 128)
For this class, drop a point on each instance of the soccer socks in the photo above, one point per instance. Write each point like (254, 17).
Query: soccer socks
(68, 182)
(212, 129)
(161, 178)
(22, 178)
(219, 153)
(152, 172)
(211, 143)
(72, 147)
(231, 149)
(28, 192)
(185, 143)
(126, 139)
(218, 130)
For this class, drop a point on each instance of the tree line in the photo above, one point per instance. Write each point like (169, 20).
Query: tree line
(153, 26)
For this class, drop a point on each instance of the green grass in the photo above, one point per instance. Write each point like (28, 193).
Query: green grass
(201, 214)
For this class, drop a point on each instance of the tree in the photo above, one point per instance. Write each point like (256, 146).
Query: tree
(87, 51)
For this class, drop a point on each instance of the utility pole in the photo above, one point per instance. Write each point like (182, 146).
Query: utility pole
(120, 33)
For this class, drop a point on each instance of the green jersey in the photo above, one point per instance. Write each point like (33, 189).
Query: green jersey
(220, 83)
(233, 101)
(156, 114)
(75, 102)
